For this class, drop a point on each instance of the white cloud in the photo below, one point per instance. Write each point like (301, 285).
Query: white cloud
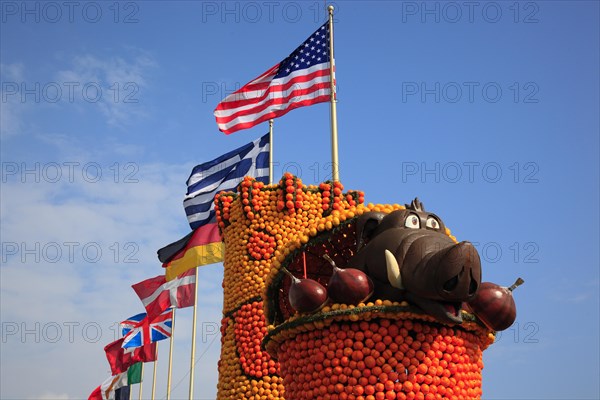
(12, 72)
(68, 147)
(12, 106)
(58, 312)
(113, 83)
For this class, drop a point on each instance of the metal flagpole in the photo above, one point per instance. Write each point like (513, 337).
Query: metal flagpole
(142, 381)
(154, 373)
(193, 355)
(334, 140)
(270, 153)
(170, 355)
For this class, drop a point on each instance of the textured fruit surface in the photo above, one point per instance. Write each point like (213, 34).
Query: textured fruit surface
(383, 359)
(307, 295)
(349, 286)
(248, 321)
(495, 306)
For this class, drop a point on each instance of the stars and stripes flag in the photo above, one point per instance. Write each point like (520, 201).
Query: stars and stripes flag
(302, 79)
(157, 294)
(147, 330)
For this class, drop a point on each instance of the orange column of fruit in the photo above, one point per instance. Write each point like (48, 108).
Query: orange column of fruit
(259, 223)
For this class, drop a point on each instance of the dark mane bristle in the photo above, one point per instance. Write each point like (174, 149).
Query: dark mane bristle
(415, 205)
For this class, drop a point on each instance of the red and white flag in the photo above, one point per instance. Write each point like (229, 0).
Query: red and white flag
(121, 359)
(302, 79)
(157, 294)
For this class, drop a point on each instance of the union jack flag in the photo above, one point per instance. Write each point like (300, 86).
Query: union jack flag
(145, 331)
(131, 323)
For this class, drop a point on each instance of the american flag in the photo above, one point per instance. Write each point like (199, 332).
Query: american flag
(302, 79)
(146, 331)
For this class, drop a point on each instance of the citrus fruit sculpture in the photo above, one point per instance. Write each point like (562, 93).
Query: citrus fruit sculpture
(328, 298)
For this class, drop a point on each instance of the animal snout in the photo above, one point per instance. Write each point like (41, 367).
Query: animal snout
(459, 272)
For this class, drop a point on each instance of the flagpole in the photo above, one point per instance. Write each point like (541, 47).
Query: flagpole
(193, 352)
(170, 355)
(334, 140)
(270, 152)
(142, 381)
(154, 373)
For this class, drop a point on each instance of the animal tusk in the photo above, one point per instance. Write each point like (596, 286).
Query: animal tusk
(393, 270)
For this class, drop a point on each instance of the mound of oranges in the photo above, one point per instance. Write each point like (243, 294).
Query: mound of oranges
(382, 359)
(378, 350)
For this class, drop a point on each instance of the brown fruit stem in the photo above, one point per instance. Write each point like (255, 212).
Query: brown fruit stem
(517, 283)
(292, 277)
(326, 256)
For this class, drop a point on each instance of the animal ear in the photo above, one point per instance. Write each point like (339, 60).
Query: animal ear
(365, 226)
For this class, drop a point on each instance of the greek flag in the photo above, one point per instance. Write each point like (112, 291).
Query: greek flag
(224, 174)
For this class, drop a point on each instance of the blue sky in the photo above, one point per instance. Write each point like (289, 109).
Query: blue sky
(487, 111)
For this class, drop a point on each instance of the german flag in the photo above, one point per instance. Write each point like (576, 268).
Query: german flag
(200, 247)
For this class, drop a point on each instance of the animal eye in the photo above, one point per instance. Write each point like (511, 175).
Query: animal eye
(412, 221)
(432, 223)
